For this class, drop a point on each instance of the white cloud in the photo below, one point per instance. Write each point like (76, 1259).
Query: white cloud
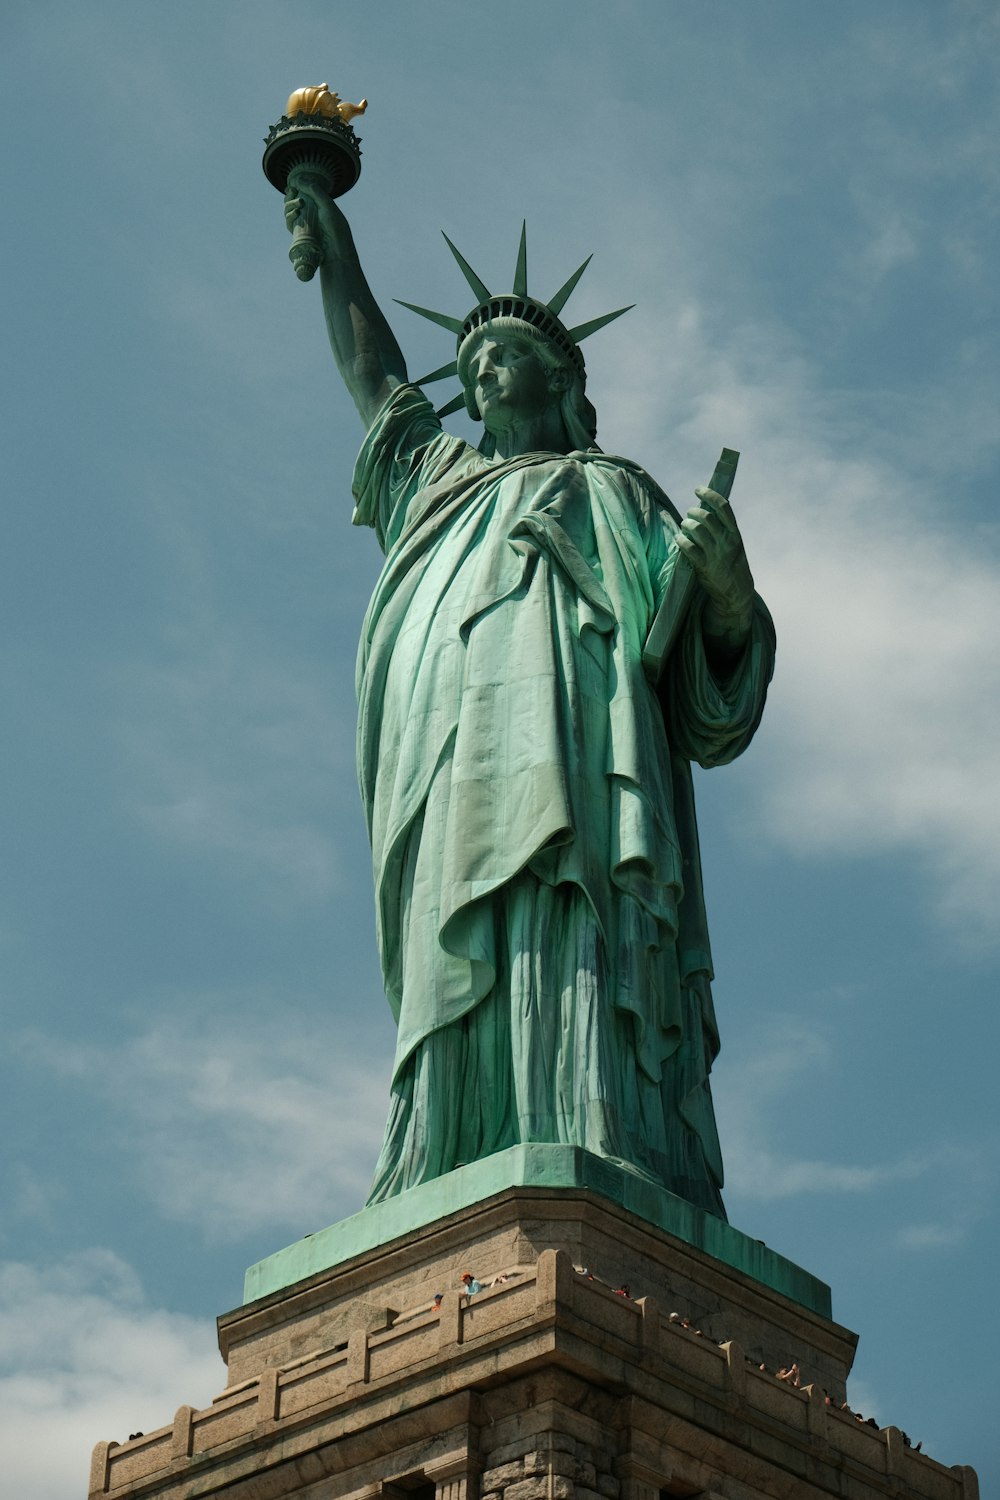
(887, 710)
(233, 1132)
(881, 732)
(83, 1357)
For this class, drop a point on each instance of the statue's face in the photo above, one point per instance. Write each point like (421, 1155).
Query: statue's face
(510, 381)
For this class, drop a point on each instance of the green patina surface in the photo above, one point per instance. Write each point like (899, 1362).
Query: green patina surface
(548, 649)
(534, 1166)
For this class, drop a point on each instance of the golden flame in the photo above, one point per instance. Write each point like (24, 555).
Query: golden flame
(317, 99)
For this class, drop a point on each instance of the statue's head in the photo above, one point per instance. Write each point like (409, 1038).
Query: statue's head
(540, 336)
(509, 368)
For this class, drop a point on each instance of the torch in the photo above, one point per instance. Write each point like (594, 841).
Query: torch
(313, 142)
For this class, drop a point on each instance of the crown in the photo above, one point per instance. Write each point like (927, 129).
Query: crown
(541, 317)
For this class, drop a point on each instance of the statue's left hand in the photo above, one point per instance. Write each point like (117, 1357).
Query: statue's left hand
(710, 540)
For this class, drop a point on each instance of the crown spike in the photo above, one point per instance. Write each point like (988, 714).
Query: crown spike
(558, 302)
(584, 330)
(453, 325)
(454, 404)
(521, 269)
(480, 288)
(451, 368)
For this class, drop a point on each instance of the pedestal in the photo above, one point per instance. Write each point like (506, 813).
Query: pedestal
(610, 1360)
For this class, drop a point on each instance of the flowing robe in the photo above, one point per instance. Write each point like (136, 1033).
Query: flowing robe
(539, 902)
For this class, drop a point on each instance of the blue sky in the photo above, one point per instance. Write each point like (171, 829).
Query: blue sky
(803, 202)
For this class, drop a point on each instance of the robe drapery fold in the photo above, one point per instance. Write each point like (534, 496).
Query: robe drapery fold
(539, 906)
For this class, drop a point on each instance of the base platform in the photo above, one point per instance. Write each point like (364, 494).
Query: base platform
(541, 1167)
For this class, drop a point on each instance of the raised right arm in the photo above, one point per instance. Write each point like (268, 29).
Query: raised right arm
(363, 344)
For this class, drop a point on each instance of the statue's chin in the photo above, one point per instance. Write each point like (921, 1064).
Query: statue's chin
(500, 416)
(494, 421)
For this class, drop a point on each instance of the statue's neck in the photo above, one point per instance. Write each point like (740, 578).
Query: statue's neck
(544, 432)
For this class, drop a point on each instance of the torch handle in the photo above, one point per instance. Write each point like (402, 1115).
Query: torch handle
(305, 253)
(306, 249)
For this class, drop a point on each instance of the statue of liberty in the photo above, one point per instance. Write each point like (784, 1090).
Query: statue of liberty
(526, 779)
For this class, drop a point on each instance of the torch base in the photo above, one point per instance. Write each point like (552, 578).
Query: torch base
(312, 141)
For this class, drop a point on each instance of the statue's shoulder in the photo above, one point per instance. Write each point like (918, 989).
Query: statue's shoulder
(643, 487)
(407, 428)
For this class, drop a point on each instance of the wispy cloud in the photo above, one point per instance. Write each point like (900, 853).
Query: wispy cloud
(233, 1132)
(932, 1236)
(863, 1398)
(766, 1149)
(30, 1201)
(967, 1181)
(83, 1356)
(892, 243)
